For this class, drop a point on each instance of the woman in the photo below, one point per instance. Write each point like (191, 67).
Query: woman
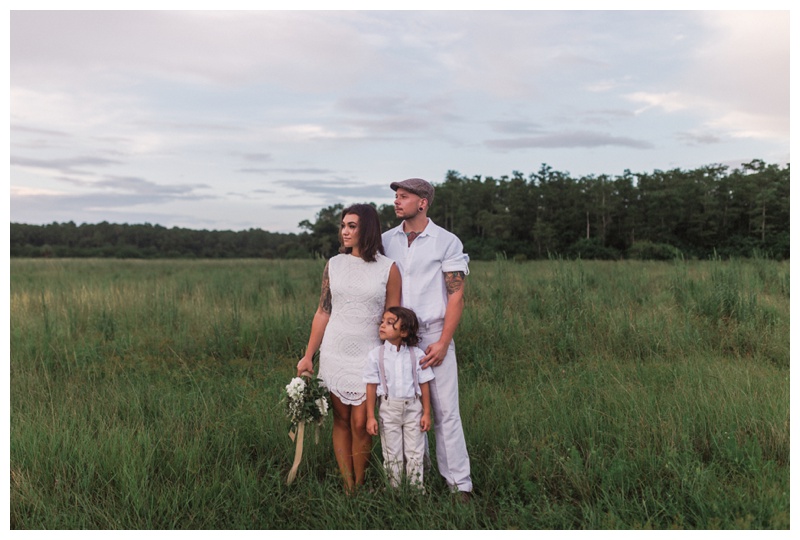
(357, 287)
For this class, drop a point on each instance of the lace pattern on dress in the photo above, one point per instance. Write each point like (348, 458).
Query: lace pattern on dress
(358, 297)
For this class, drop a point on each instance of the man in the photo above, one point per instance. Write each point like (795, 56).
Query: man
(433, 265)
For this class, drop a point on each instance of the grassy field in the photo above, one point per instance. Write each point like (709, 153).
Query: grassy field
(595, 395)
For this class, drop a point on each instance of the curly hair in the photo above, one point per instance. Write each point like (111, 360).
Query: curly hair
(408, 322)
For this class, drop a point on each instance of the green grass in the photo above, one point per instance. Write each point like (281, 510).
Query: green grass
(595, 395)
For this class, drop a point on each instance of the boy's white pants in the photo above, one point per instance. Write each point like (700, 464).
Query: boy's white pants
(401, 438)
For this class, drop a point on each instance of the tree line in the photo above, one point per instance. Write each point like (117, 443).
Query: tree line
(712, 210)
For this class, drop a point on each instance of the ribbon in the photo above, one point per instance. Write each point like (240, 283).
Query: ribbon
(297, 438)
(298, 450)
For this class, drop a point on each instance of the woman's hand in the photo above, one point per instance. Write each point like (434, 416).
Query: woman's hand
(305, 364)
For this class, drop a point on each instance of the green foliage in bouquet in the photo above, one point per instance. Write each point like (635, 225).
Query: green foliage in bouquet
(306, 400)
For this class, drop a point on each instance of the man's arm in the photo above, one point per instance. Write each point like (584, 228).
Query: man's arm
(435, 353)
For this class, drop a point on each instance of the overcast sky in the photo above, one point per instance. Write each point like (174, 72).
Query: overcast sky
(232, 120)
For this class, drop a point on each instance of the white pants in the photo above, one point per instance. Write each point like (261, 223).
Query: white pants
(451, 448)
(401, 438)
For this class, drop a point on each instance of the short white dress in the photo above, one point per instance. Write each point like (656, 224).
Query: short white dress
(358, 298)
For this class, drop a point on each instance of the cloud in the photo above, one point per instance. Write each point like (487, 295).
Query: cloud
(37, 131)
(42, 208)
(145, 187)
(395, 124)
(739, 75)
(314, 106)
(694, 139)
(746, 58)
(301, 49)
(109, 194)
(668, 101)
(259, 157)
(340, 191)
(374, 105)
(516, 126)
(77, 204)
(268, 171)
(63, 165)
(575, 139)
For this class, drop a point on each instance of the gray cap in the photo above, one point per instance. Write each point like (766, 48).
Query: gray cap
(417, 186)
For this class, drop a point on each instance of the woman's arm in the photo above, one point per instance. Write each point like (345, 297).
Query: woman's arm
(318, 325)
(394, 287)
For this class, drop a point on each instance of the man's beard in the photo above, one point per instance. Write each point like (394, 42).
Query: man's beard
(412, 216)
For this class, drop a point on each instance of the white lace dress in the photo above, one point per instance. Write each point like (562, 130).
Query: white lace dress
(358, 297)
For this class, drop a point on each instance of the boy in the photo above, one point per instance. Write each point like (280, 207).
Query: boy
(394, 375)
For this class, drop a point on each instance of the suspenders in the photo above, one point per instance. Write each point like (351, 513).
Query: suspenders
(382, 369)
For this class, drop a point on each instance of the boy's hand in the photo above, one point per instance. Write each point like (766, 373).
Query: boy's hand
(425, 423)
(372, 426)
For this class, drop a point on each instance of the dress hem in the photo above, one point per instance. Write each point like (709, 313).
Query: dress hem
(348, 401)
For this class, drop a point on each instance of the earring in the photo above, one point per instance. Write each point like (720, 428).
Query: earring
(420, 209)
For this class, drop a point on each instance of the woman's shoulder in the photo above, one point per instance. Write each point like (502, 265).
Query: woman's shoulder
(343, 257)
(337, 260)
(383, 260)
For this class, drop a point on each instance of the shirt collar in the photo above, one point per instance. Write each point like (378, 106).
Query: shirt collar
(431, 230)
(389, 347)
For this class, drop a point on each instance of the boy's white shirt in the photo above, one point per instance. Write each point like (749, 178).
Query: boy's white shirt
(399, 377)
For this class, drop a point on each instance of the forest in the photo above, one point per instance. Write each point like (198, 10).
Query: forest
(711, 211)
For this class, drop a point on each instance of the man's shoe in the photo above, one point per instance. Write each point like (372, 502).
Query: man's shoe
(464, 497)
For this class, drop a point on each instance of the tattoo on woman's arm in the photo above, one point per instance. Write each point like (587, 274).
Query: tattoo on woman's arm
(454, 281)
(325, 296)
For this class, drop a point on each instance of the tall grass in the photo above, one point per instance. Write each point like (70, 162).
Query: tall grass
(145, 395)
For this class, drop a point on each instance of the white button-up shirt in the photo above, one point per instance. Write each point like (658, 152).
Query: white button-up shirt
(422, 265)
(399, 376)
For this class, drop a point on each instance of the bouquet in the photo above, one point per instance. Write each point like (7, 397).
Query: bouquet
(306, 399)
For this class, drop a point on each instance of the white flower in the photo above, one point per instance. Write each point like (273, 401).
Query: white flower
(306, 400)
(322, 406)
(295, 388)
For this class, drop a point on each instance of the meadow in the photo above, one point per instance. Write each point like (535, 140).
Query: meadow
(594, 395)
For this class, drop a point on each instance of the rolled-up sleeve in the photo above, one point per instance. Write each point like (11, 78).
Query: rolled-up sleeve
(372, 374)
(423, 375)
(455, 260)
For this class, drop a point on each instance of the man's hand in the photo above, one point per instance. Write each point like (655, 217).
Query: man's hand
(434, 354)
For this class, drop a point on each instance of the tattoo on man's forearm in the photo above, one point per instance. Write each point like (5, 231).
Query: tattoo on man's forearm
(325, 295)
(454, 281)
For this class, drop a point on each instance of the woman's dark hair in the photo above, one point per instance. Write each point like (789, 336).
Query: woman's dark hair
(369, 231)
(408, 322)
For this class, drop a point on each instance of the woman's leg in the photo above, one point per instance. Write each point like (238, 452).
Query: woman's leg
(343, 440)
(361, 440)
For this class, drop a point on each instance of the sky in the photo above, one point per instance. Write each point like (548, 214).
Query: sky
(231, 120)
